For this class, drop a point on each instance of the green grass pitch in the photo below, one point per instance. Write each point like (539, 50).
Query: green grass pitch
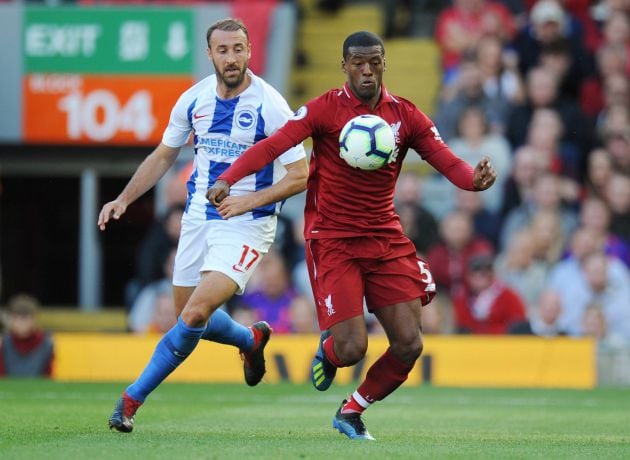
(44, 419)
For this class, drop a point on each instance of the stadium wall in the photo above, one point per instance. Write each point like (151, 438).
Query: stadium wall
(454, 361)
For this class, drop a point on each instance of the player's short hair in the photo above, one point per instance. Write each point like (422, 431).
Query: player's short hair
(228, 25)
(362, 38)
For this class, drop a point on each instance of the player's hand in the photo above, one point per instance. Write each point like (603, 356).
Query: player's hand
(112, 210)
(235, 206)
(218, 192)
(484, 174)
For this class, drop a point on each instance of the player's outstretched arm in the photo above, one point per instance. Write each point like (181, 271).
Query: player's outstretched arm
(484, 174)
(152, 168)
(292, 183)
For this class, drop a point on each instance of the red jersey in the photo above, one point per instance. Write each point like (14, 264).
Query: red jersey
(342, 201)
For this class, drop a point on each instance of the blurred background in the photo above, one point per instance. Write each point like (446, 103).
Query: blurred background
(541, 87)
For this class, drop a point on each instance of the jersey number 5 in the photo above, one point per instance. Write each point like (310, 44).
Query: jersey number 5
(427, 277)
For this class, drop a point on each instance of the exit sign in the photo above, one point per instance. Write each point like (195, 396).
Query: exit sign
(108, 40)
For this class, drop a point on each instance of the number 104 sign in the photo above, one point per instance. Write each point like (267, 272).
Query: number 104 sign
(88, 109)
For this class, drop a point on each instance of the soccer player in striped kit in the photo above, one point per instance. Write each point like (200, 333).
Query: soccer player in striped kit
(227, 112)
(355, 247)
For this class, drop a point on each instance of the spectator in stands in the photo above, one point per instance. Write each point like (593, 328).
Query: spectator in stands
(154, 251)
(526, 167)
(460, 27)
(548, 236)
(486, 305)
(616, 121)
(611, 294)
(561, 157)
(543, 317)
(550, 23)
(618, 199)
(595, 215)
(270, 294)
(546, 197)
(25, 349)
(544, 320)
(150, 304)
(520, 270)
(583, 242)
(610, 60)
(594, 322)
(418, 223)
(617, 33)
(499, 70)
(449, 258)
(437, 317)
(616, 137)
(603, 281)
(303, 316)
(289, 242)
(556, 56)
(602, 10)
(163, 317)
(599, 170)
(486, 223)
(241, 314)
(583, 13)
(541, 87)
(409, 220)
(467, 91)
(474, 141)
(616, 94)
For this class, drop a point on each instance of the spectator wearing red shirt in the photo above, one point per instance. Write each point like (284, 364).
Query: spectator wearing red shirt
(459, 28)
(487, 305)
(448, 259)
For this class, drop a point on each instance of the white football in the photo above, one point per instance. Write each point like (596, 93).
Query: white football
(366, 142)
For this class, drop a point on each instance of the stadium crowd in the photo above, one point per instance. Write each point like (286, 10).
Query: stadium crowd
(542, 88)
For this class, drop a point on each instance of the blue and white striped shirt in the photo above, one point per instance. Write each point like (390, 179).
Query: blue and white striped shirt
(222, 130)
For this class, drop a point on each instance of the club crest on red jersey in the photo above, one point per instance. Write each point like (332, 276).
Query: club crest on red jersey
(395, 129)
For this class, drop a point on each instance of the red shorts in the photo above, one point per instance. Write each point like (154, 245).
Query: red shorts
(384, 271)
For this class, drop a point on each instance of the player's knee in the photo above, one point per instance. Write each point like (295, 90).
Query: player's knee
(194, 317)
(408, 350)
(351, 352)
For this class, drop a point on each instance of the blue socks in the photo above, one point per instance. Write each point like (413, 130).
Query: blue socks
(180, 341)
(222, 328)
(169, 353)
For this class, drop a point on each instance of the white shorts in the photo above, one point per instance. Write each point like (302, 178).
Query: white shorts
(231, 247)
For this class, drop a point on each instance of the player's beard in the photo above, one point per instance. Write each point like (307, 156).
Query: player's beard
(233, 81)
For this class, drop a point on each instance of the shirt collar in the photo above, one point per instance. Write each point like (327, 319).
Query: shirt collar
(356, 102)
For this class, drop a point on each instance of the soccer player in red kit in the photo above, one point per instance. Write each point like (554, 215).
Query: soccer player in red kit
(356, 248)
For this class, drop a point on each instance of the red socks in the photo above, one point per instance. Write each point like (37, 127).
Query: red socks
(329, 352)
(383, 377)
(353, 404)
